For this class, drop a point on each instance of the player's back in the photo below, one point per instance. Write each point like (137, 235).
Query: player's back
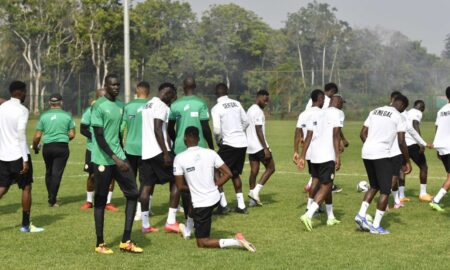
(11, 112)
(233, 120)
(441, 140)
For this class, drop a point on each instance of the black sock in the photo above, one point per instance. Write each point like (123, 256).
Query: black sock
(130, 211)
(126, 236)
(100, 240)
(26, 218)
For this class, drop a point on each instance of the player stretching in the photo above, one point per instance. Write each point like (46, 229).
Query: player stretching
(230, 122)
(323, 136)
(110, 163)
(442, 145)
(157, 160)
(15, 160)
(258, 148)
(87, 131)
(132, 122)
(189, 110)
(378, 134)
(56, 128)
(196, 167)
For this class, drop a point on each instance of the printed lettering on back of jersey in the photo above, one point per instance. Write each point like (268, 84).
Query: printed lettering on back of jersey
(229, 105)
(190, 169)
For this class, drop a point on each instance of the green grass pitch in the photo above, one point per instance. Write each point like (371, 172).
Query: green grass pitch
(419, 238)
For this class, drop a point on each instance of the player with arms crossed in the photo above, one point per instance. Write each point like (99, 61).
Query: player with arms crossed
(195, 166)
(110, 163)
(379, 132)
(258, 148)
(323, 136)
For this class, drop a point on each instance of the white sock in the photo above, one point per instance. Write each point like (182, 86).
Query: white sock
(439, 196)
(90, 196)
(257, 189)
(229, 243)
(109, 197)
(145, 219)
(150, 203)
(396, 198)
(363, 209)
(223, 200)
(250, 192)
(377, 220)
(190, 224)
(312, 209)
(138, 209)
(310, 201)
(240, 200)
(423, 189)
(330, 213)
(310, 181)
(401, 191)
(172, 216)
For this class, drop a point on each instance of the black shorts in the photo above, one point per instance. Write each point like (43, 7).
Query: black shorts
(379, 172)
(259, 156)
(446, 161)
(397, 163)
(202, 220)
(416, 156)
(233, 157)
(323, 171)
(10, 173)
(88, 165)
(136, 165)
(154, 172)
(309, 166)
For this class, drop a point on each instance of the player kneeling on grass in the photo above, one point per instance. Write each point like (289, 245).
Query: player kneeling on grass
(323, 136)
(195, 166)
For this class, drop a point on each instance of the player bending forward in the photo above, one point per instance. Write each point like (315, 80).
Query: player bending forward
(196, 165)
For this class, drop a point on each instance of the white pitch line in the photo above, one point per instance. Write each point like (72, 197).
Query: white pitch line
(349, 174)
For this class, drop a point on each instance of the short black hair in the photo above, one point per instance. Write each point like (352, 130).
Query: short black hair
(143, 84)
(262, 92)
(403, 99)
(17, 86)
(395, 93)
(331, 86)
(110, 76)
(167, 85)
(447, 92)
(222, 87)
(419, 101)
(191, 132)
(315, 94)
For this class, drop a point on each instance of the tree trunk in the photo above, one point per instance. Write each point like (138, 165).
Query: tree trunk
(323, 65)
(301, 65)
(334, 61)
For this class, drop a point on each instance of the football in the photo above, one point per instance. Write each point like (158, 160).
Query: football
(362, 186)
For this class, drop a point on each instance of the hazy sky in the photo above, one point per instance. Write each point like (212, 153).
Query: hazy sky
(418, 19)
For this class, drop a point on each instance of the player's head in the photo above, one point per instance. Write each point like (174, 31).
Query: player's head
(18, 89)
(337, 101)
(189, 85)
(394, 94)
(112, 85)
(317, 97)
(331, 89)
(447, 93)
(400, 102)
(55, 100)
(143, 89)
(221, 90)
(167, 93)
(191, 136)
(262, 98)
(419, 105)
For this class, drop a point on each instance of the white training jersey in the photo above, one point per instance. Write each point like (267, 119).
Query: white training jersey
(255, 116)
(153, 109)
(322, 123)
(302, 122)
(384, 123)
(411, 132)
(13, 125)
(230, 122)
(411, 116)
(442, 140)
(326, 103)
(197, 164)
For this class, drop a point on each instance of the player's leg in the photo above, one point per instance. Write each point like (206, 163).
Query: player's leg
(360, 218)
(144, 197)
(223, 204)
(434, 204)
(61, 155)
(395, 186)
(269, 166)
(236, 169)
(47, 154)
(174, 201)
(103, 177)
(127, 183)
(423, 167)
(384, 178)
(254, 170)
(88, 168)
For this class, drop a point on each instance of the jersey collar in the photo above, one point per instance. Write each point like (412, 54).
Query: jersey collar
(222, 98)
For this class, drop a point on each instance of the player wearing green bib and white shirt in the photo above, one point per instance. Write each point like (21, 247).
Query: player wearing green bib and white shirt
(110, 162)
(56, 128)
(132, 122)
(189, 110)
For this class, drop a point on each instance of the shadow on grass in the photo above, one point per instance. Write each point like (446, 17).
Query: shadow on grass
(10, 208)
(392, 217)
(45, 220)
(143, 241)
(73, 199)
